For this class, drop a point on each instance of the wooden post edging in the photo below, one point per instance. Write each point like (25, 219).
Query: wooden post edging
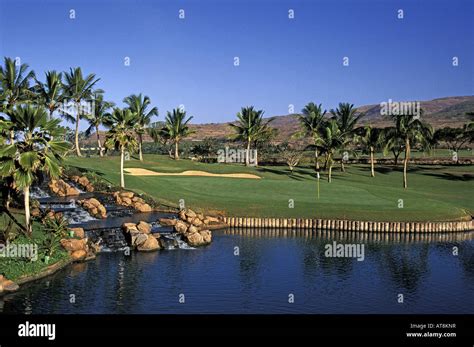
(349, 225)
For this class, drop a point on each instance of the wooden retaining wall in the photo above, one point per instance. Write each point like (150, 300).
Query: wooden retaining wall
(348, 225)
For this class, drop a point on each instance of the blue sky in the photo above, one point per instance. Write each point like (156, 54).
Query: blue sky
(282, 61)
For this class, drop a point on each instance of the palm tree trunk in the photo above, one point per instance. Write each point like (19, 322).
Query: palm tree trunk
(140, 153)
(330, 172)
(76, 135)
(247, 156)
(122, 178)
(101, 152)
(176, 150)
(12, 137)
(396, 158)
(372, 172)
(405, 163)
(316, 157)
(342, 165)
(26, 193)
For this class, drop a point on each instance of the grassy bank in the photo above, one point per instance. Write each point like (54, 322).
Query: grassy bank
(15, 267)
(435, 192)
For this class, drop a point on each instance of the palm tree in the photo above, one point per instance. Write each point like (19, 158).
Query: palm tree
(176, 128)
(371, 139)
(329, 140)
(311, 119)
(346, 117)
(35, 152)
(250, 127)
(50, 93)
(98, 117)
(413, 131)
(15, 85)
(393, 142)
(121, 136)
(77, 88)
(138, 104)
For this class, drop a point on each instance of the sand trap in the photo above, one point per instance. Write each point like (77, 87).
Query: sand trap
(146, 172)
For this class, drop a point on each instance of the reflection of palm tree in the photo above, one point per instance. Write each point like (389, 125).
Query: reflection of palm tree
(406, 265)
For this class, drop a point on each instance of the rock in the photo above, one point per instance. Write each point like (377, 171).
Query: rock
(8, 286)
(156, 235)
(61, 188)
(143, 207)
(126, 195)
(144, 227)
(139, 239)
(94, 202)
(182, 215)
(128, 227)
(83, 181)
(72, 245)
(75, 178)
(35, 212)
(102, 211)
(206, 236)
(151, 244)
(192, 229)
(194, 239)
(180, 227)
(189, 219)
(78, 255)
(212, 220)
(190, 213)
(196, 222)
(89, 188)
(167, 222)
(126, 201)
(78, 232)
(200, 216)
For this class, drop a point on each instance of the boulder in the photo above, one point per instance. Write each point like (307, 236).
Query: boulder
(128, 227)
(196, 222)
(78, 255)
(83, 181)
(139, 239)
(126, 201)
(144, 227)
(72, 245)
(94, 202)
(89, 188)
(167, 222)
(78, 232)
(126, 195)
(206, 236)
(180, 227)
(200, 216)
(192, 229)
(211, 220)
(194, 239)
(190, 213)
(35, 212)
(182, 215)
(143, 207)
(7, 285)
(151, 244)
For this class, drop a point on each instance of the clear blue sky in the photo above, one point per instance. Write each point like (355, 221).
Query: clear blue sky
(282, 61)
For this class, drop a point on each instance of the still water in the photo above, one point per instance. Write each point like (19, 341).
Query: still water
(261, 271)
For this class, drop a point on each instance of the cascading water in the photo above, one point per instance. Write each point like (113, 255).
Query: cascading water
(38, 193)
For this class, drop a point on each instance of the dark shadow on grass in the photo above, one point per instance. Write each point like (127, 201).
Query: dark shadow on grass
(451, 177)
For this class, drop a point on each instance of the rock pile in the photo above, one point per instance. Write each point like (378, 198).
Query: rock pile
(194, 227)
(130, 200)
(84, 182)
(7, 286)
(78, 247)
(94, 206)
(61, 188)
(139, 237)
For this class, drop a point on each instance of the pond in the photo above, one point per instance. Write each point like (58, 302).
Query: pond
(267, 271)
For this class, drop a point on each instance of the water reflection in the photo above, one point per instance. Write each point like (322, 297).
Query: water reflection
(268, 266)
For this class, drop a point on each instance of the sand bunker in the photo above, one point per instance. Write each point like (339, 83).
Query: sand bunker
(146, 172)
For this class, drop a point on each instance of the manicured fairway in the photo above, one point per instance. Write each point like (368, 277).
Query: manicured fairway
(434, 193)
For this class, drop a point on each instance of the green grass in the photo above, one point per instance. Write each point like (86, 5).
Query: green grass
(434, 193)
(15, 267)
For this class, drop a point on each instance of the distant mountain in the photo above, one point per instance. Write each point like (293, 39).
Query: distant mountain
(448, 111)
